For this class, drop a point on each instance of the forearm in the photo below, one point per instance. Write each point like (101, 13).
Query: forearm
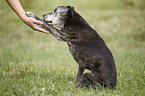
(33, 23)
(16, 6)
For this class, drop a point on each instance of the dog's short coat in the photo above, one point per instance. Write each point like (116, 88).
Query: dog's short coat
(86, 46)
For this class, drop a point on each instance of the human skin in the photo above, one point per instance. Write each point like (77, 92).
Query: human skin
(31, 22)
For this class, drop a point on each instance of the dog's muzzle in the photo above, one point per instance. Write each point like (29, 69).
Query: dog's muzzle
(48, 17)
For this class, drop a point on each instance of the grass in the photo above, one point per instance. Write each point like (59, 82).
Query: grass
(33, 63)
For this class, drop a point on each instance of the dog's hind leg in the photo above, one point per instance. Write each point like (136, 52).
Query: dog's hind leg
(80, 72)
(89, 80)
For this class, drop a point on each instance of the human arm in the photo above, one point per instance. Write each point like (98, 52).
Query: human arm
(31, 22)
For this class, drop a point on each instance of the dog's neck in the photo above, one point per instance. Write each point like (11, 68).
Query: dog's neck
(75, 21)
(79, 27)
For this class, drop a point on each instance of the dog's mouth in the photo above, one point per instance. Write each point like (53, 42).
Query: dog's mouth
(49, 22)
(55, 19)
(48, 18)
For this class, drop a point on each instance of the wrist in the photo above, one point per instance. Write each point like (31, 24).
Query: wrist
(24, 18)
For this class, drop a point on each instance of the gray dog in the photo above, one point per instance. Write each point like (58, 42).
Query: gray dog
(86, 46)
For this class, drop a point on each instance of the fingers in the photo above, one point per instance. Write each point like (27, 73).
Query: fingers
(34, 21)
(38, 22)
(36, 27)
(35, 24)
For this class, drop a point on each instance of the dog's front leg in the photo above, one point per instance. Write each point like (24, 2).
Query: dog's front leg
(30, 14)
(58, 34)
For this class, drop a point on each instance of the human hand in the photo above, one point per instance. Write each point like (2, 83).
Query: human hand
(34, 24)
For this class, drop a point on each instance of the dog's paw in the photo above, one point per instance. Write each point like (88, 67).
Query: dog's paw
(30, 14)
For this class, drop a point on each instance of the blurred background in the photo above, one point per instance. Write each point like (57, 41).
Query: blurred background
(121, 23)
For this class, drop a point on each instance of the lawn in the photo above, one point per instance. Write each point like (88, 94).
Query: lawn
(33, 63)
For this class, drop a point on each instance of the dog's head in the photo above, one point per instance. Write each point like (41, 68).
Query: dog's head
(59, 16)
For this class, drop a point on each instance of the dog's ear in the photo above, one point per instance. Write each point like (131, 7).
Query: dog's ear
(71, 11)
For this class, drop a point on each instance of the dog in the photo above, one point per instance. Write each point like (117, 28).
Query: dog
(86, 46)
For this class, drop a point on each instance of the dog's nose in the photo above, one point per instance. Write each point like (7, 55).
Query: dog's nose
(44, 15)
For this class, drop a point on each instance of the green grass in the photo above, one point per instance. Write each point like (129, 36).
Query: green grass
(33, 63)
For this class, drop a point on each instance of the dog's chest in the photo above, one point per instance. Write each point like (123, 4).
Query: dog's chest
(81, 55)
